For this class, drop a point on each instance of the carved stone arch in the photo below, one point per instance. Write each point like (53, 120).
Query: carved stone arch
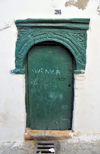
(71, 33)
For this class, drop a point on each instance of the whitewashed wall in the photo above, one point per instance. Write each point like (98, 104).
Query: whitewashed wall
(86, 117)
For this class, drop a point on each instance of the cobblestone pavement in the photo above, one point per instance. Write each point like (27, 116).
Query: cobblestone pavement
(67, 146)
(80, 147)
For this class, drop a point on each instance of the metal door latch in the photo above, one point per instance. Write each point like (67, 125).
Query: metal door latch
(62, 79)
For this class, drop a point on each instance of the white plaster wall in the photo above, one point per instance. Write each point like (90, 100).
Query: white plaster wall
(12, 87)
(12, 107)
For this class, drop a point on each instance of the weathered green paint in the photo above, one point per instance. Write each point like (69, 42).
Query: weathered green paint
(27, 94)
(69, 32)
(18, 71)
(50, 87)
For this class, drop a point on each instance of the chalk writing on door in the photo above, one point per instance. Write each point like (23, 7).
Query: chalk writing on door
(46, 71)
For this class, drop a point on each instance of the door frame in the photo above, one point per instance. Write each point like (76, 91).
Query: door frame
(72, 33)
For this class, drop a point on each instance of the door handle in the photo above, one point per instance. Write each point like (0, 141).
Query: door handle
(62, 79)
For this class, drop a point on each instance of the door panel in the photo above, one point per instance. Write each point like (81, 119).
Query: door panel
(50, 79)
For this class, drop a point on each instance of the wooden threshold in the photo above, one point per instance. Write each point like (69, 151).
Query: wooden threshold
(46, 134)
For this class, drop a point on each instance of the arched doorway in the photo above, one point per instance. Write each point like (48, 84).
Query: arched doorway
(49, 87)
(72, 33)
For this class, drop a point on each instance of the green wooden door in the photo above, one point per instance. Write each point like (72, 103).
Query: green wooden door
(50, 81)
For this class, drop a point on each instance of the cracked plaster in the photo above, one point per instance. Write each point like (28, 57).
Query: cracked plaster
(80, 4)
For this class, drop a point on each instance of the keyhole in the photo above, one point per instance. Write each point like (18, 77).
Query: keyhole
(69, 85)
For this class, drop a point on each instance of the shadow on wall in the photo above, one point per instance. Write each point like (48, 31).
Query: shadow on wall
(80, 4)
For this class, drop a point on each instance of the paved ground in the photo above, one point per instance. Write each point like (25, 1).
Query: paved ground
(80, 147)
(76, 145)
